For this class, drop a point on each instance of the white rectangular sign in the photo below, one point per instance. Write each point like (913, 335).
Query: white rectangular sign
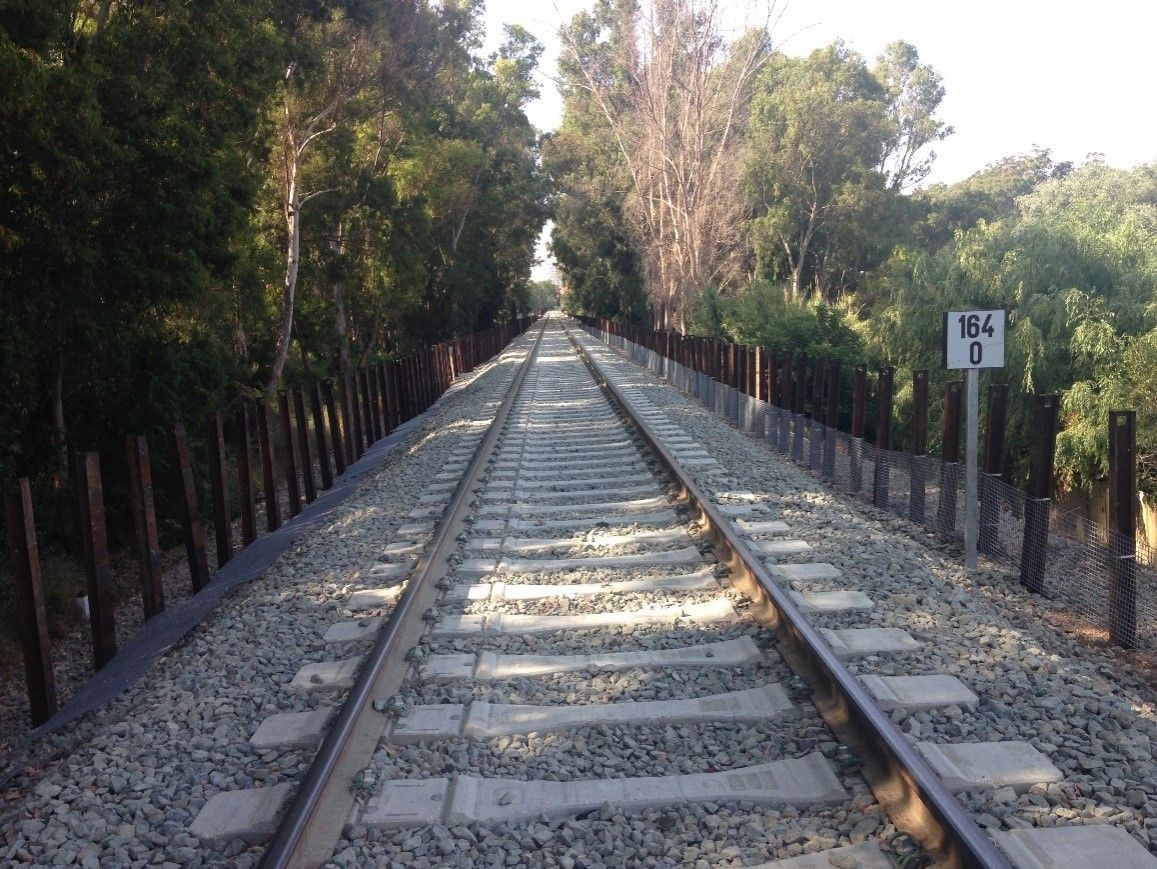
(974, 339)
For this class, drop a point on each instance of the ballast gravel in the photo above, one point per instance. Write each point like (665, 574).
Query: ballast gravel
(694, 835)
(122, 785)
(1088, 709)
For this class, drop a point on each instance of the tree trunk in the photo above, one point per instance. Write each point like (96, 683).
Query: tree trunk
(239, 337)
(341, 326)
(292, 261)
(59, 428)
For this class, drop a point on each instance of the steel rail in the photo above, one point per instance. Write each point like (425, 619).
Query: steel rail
(910, 791)
(316, 817)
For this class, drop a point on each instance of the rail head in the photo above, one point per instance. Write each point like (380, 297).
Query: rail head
(899, 775)
(305, 837)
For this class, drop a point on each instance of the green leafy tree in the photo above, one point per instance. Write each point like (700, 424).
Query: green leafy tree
(817, 137)
(913, 91)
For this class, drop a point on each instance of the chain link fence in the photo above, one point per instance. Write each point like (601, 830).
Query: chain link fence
(1062, 556)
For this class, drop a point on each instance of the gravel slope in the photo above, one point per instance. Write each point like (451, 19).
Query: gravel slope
(1089, 710)
(119, 788)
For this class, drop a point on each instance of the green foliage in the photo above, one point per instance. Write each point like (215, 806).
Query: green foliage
(1121, 372)
(143, 210)
(1075, 264)
(542, 296)
(830, 146)
(759, 316)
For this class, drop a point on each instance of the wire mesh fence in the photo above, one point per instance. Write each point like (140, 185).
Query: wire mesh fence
(1088, 570)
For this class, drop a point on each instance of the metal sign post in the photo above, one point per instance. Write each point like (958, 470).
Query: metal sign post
(972, 340)
(971, 424)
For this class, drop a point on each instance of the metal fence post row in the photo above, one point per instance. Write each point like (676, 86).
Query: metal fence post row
(351, 418)
(815, 442)
(375, 402)
(268, 473)
(102, 616)
(832, 418)
(994, 427)
(772, 396)
(293, 490)
(218, 490)
(798, 406)
(882, 468)
(244, 474)
(144, 512)
(949, 457)
(785, 403)
(35, 641)
(859, 402)
(1034, 549)
(303, 446)
(917, 491)
(1123, 527)
(335, 431)
(194, 528)
(317, 408)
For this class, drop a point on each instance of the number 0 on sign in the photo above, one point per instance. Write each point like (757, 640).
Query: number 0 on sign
(974, 339)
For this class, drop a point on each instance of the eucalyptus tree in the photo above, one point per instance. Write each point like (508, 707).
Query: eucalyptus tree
(662, 83)
(816, 143)
(914, 92)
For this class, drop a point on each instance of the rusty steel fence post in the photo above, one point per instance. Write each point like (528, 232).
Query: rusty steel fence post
(406, 382)
(759, 375)
(994, 426)
(859, 413)
(351, 422)
(335, 434)
(303, 446)
(772, 396)
(881, 476)
(1037, 503)
(798, 406)
(292, 489)
(785, 403)
(832, 418)
(140, 478)
(102, 615)
(917, 494)
(369, 428)
(219, 491)
(190, 511)
(34, 638)
(393, 399)
(383, 397)
(815, 442)
(241, 446)
(317, 408)
(949, 457)
(368, 435)
(268, 471)
(371, 376)
(1123, 528)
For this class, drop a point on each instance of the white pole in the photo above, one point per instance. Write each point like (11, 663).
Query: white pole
(971, 512)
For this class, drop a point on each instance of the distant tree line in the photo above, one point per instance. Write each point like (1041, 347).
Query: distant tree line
(723, 187)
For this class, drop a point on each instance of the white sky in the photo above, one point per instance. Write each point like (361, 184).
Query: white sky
(1074, 78)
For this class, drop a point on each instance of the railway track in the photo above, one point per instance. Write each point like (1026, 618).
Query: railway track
(584, 650)
(585, 646)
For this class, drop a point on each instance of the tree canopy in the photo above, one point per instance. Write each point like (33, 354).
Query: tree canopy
(827, 237)
(210, 198)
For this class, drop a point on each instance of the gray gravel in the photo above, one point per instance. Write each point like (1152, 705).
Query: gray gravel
(688, 835)
(121, 786)
(1088, 709)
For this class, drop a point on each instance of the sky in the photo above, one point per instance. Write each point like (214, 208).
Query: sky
(1074, 78)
